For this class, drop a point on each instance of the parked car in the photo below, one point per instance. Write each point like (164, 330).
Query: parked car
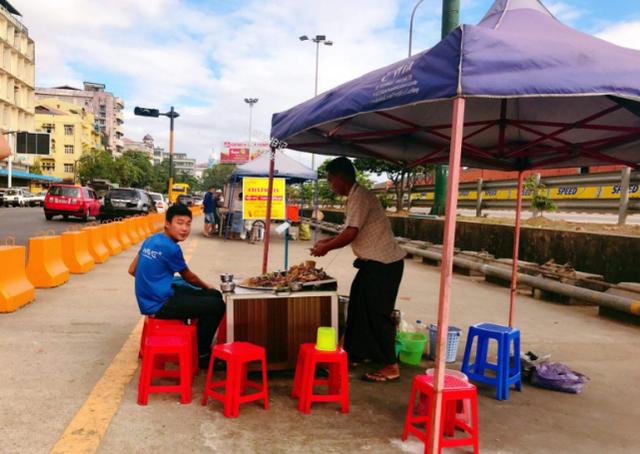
(71, 200)
(123, 202)
(19, 197)
(197, 200)
(185, 199)
(38, 199)
(2, 192)
(160, 202)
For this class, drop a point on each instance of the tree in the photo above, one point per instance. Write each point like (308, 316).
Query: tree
(95, 164)
(36, 168)
(403, 178)
(133, 169)
(217, 176)
(540, 201)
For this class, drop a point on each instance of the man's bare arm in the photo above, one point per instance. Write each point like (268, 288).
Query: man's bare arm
(132, 267)
(193, 279)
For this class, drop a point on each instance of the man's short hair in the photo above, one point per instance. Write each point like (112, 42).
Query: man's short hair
(177, 209)
(211, 187)
(342, 166)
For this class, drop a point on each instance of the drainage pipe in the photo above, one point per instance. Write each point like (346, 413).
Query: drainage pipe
(619, 303)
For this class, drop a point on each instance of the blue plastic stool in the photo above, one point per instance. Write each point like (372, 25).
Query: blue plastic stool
(506, 374)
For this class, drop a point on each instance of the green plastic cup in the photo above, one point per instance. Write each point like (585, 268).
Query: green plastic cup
(326, 339)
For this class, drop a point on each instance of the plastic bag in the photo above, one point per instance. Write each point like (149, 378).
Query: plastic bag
(558, 377)
(305, 232)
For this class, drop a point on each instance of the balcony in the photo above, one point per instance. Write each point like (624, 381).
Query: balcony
(120, 103)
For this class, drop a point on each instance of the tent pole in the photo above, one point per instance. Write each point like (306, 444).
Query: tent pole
(315, 215)
(455, 151)
(267, 228)
(230, 207)
(516, 248)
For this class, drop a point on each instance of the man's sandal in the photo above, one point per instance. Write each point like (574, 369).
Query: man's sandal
(378, 377)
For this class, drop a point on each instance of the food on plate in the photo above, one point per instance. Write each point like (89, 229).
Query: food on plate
(297, 273)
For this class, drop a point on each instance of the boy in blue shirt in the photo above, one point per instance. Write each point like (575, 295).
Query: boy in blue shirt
(158, 260)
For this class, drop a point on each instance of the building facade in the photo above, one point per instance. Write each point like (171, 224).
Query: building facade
(106, 108)
(73, 132)
(145, 146)
(17, 78)
(181, 162)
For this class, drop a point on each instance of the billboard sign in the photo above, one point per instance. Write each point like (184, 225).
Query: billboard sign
(238, 152)
(33, 143)
(254, 198)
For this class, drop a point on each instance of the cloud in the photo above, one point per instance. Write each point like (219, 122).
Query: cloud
(205, 61)
(566, 12)
(626, 34)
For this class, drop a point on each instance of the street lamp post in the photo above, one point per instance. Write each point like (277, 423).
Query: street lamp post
(318, 39)
(10, 157)
(155, 113)
(251, 102)
(413, 13)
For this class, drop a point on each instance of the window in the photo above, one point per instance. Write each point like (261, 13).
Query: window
(68, 130)
(68, 149)
(68, 168)
(48, 166)
(48, 127)
(64, 191)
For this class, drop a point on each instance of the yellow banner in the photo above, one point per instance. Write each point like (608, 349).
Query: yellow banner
(254, 198)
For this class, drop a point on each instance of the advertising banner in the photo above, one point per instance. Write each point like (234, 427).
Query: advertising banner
(238, 152)
(254, 198)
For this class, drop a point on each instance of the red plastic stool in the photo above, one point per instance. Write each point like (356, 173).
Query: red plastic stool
(160, 327)
(165, 345)
(455, 390)
(337, 382)
(237, 355)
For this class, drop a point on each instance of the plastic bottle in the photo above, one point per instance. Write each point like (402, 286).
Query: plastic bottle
(407, 327)
(423, 329)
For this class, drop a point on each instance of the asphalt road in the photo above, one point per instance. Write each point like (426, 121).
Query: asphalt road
(23, 223)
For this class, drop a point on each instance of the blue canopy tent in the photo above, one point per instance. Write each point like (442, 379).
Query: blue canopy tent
(283, 167)
(518, 91)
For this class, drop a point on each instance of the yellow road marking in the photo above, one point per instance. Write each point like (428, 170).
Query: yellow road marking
(85, 431)
(87, 428)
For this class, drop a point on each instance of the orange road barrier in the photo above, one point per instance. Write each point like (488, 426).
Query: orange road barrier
(75, 252)
(132, 230)
(111, 238)
(45, 267)
(151, 223)
(123, 234)
(15, 289)
(141, 230)
(97, 249)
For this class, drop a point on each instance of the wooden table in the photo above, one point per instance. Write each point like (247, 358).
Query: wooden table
(279, 322)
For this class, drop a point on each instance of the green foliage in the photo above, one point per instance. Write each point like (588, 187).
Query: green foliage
(95, 164)
(217, 176)
(403, 178)
(539, 198)
(36, 168)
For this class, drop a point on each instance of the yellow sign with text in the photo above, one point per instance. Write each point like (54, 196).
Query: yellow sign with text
(254, 198)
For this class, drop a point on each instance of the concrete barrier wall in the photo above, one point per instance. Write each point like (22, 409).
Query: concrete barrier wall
(45, 267)
(615, 257)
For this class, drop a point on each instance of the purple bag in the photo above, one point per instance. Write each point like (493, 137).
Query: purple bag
(558, 377)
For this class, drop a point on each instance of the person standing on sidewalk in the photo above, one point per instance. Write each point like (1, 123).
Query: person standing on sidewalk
(158, 260)
(209, 207)
(370, 332)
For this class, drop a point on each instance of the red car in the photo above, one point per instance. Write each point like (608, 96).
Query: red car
(71, 200)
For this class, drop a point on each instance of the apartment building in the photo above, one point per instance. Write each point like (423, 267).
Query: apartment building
(105, 106)
(145, 146)
(73, 132)
(17, 74)
(181, 162)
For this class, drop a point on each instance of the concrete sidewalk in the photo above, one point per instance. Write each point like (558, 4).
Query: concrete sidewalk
(56, 349)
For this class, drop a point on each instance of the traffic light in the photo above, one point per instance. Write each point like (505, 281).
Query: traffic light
(146, 112)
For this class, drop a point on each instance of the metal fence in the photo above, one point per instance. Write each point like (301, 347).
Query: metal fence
(615, 192)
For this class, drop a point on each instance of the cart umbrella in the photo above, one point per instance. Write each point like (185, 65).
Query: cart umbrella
(520, 90)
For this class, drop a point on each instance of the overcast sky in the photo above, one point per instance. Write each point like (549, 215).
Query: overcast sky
(205, 57)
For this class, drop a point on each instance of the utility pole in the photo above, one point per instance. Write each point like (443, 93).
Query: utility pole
(450, 20)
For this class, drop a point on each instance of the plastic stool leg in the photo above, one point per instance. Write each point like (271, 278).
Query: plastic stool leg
(344, 385)
(265, 386)
(408, 420)
(144, 380)
(481, 355)
(205, 396)
(186, 374)
(297, 378)
(231, 404)
(311, 372)
(476, 431)
(516, 362)
(467, 351)
(502, 389)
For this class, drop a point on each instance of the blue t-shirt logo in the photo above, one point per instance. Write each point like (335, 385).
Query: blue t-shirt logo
(158, 260)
